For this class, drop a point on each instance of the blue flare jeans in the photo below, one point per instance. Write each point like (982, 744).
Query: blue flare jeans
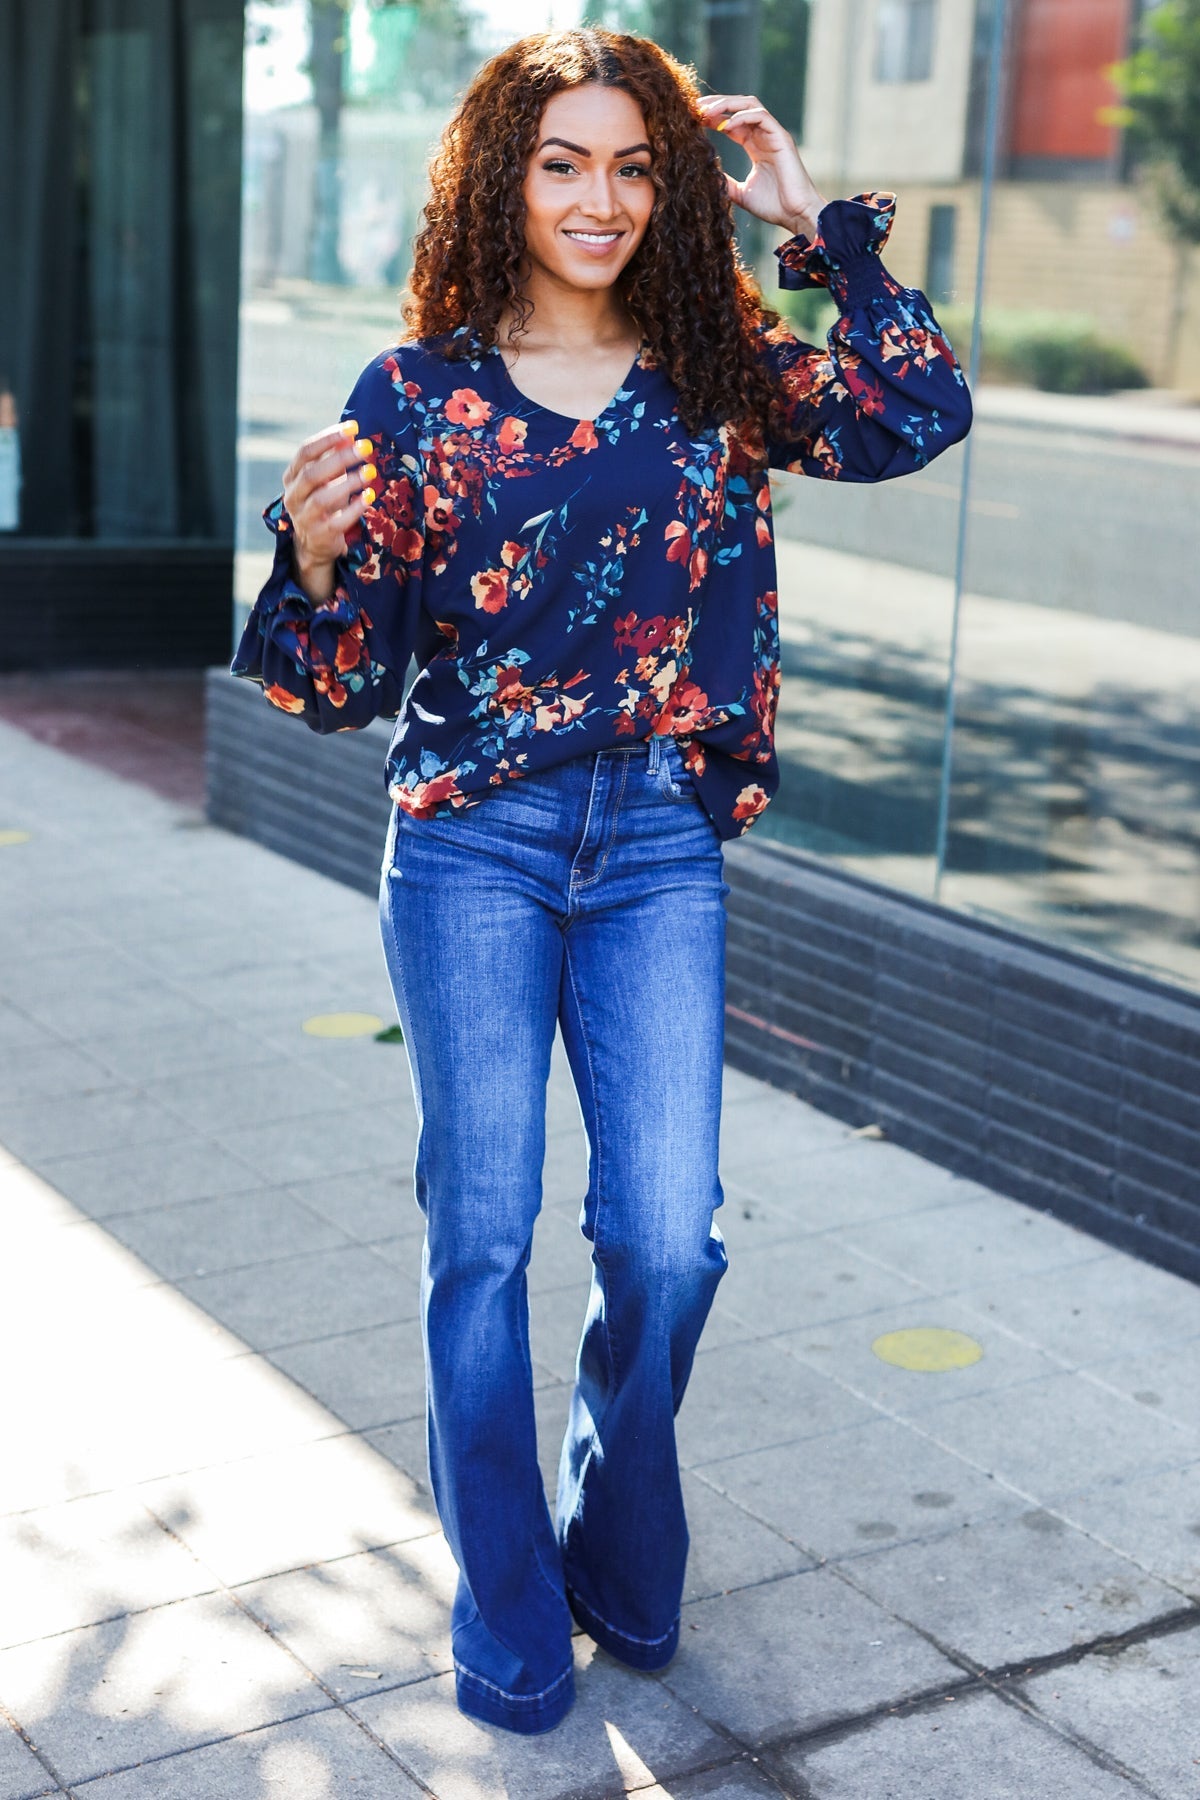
(587, 897)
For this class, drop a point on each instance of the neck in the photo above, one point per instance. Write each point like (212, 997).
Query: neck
(570, 317)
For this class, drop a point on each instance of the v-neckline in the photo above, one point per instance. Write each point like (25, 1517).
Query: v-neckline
(527, 400)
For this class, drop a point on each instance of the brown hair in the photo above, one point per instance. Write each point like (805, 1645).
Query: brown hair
(695, 303)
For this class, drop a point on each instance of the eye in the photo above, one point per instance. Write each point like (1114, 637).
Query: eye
(558, 165)
(635, 169)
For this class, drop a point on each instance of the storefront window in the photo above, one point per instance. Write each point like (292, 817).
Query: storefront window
(1048, 568)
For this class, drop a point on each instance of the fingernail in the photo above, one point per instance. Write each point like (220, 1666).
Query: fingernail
(722, 125)
(368, 471)
(349, 428)
(364, 448)
(368, 496)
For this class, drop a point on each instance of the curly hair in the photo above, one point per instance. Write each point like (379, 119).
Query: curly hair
(686, 287)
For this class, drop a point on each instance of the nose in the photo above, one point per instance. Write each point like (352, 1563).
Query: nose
(600, 202)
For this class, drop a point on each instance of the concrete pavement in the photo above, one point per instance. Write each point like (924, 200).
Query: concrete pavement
(968, 1572)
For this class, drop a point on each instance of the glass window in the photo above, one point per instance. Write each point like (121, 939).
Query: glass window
(904, 40)
(1050, 563)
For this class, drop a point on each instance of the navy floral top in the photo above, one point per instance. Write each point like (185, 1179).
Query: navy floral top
(567, 584)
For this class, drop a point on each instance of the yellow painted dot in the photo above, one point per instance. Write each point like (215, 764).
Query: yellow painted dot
(927, 1348)
(343, 1025)
(13, 836)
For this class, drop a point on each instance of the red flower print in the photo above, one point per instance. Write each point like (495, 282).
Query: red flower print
(584, 436)
(490, 588)
(750, 802)
(697, 568)
(511, 554)
(684, 710)
(511, 435)
(439, 511)
(679, 541)
(464, 407)
(279, 696)
(643, 635)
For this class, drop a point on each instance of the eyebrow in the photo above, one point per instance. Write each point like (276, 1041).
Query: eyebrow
(580, 151)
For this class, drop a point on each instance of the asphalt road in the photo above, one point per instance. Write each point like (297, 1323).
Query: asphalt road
(1085, 523)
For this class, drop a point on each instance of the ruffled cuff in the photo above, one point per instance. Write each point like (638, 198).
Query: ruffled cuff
(311, 658)
(844, 255)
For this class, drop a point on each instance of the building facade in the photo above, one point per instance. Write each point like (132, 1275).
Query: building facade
(972, 915)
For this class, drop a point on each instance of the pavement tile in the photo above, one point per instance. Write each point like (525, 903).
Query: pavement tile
(365, 1623)
(565, 1169)
(186, 1167)
(851, 1490)
(1142, 1706)
(367, 1377)
(367, 1204)
(134, 1005)
(71, 1125)
(314, 1294)
(774, 1126)
(970, 1747)
(111, 1695)
(324, 1756)
(1168, 1382)
(215, 1100)
(1114, 1306)
(19, 1032)
(562, 1256)
(623, 1728)
(842, 1350)
(86, 1561)
(729, 1549)
(22, 1776)
(205, 1237)
(954, 1246)
(1004, 1590)
(1058, 1435)
(740, 1780)
(843, 1184)
(816, 1282)
(796, 1654)
(303, 1504)
(286, 1151)
(747, 1395)
(1153, 1520)
(50, 1069)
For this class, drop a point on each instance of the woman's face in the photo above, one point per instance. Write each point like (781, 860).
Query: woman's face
(588, 189)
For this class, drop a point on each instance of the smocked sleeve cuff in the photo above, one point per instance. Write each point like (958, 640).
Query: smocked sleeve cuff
(845, 254)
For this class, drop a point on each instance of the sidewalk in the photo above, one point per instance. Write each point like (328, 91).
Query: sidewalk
(1152, 416)
(221, 1576)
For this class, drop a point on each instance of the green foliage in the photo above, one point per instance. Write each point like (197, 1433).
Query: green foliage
(809, 311)
(1160, 89)
(1061, 353)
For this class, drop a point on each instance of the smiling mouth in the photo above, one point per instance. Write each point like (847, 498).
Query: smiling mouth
(594, 240)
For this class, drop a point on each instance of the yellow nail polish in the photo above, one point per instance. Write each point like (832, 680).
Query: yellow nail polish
(364, 448)
(722, 125)
(349, 428)
(368, 471)
(368, 496)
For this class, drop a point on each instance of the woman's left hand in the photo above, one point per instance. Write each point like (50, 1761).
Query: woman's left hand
(778, 188)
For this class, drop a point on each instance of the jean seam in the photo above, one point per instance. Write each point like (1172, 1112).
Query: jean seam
(595, 1087)
(612, 833)
(629, 1636)
(513, 1699)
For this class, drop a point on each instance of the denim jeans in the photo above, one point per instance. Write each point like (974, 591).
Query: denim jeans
(590, 897)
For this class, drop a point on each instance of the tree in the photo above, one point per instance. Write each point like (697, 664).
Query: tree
(1159, 85)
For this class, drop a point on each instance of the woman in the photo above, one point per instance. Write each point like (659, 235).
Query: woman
(555, 495)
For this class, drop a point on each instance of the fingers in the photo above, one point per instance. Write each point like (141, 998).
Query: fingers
(327, 488)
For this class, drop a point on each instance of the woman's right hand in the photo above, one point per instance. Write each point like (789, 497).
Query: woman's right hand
(326, 490)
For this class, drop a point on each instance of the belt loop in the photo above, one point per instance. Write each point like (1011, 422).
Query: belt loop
(655, 762)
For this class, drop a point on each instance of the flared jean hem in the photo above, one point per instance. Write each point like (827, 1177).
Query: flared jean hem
(646, 1654)
(525, 1713)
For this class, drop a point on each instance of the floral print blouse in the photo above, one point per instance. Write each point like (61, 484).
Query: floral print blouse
(567, 585)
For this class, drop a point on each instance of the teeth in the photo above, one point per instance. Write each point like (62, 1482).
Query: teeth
(596, 237)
